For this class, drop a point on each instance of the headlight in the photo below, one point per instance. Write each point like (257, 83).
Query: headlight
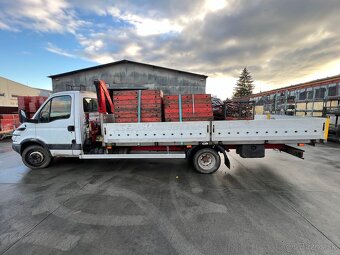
(14, 138)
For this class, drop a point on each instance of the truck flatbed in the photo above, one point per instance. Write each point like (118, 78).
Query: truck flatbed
(258, 131)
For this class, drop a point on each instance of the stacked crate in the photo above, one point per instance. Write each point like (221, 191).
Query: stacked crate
(30, 104)
(137, 106)
(239, 110)
(8, 122)
(193, 107)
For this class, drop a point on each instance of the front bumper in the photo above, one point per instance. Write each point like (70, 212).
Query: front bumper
(16, 147)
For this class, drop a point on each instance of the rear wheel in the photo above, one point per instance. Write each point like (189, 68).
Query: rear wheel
(206, 161)
(36, 157)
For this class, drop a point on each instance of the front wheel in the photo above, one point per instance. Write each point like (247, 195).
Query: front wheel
(206, 161)
(36, 157)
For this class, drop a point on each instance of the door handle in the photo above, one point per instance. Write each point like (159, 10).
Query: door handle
(70, 128)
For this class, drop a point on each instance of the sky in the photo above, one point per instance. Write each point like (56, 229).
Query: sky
(280, 42)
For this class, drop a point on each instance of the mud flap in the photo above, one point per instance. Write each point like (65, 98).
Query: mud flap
(226, 159)
(293, 151)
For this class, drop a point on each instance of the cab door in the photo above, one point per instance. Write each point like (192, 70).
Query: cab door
(56, 125)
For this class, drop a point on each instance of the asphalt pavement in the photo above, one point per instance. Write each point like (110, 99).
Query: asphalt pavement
(276, 205)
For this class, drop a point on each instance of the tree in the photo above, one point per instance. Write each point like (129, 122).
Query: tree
(244, 86)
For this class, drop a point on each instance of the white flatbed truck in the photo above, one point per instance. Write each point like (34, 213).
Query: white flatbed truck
(60, 127)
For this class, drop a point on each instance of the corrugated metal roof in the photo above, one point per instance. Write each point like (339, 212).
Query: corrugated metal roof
(124, 61)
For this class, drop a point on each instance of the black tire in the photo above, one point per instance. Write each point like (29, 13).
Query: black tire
(36, 157)
(206, 161)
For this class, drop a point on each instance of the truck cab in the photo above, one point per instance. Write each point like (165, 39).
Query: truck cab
(57, 128)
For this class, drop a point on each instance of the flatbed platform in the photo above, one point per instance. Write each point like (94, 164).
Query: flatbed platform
(258, 131)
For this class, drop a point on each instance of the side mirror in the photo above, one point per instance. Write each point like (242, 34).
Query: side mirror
(22, 116)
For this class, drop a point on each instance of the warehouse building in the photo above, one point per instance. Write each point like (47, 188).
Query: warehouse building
(10, 90)
(127, 74)
(305, 99)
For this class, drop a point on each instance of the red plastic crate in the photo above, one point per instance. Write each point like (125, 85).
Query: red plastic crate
(189, 119)
(135, 115)
(135, 107)
(187, 101)
(196, 107)
(151, 106)
(189, 114)
(188, 110)
(7, 124)
(135, 111)
(135, 102)
(188, 96)
(135, 120)
(134, 97)
(126, 105)
(30, 103)
(9, 116)
(186, 105)
(135, 92)
(32, 107)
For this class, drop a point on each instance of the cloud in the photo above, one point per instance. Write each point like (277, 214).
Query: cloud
(145, 26)
(54, 49)
(279, 41)
(4, 26)
(40, 15)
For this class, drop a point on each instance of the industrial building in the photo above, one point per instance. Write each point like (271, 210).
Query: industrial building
(315, 98)
(127, 74)
(305, 99)
(10, 90)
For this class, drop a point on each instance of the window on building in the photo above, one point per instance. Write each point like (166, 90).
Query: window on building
(2, 94)
(15, 96)
(317, 93)
(302, 95)
(290, 95)
(332, 91)
(320, 93)
(310, 94)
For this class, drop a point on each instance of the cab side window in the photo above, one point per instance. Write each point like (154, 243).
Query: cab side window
(57, 108)
(90, 104)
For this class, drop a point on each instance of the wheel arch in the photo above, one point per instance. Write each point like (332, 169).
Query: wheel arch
(28, 142)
